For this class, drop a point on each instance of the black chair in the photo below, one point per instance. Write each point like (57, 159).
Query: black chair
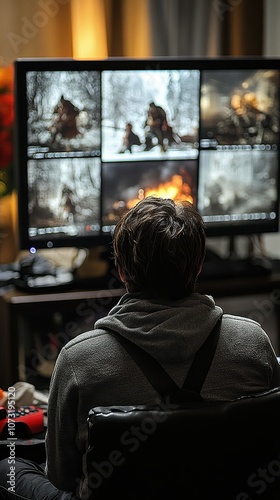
(224, 451)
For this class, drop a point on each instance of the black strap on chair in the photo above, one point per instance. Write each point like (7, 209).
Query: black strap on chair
(160, 379)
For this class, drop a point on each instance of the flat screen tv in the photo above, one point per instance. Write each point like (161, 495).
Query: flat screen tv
(94, 137)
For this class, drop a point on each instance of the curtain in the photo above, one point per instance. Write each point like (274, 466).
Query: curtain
(88, 29)
(204, 28)
(271, 28)
(185, 27)
(242, 28)
(133, 28)
(110, 28)
(142, 28)
(73, 28)
(34, 28)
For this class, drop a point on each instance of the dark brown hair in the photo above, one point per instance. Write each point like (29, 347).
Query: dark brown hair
(159, 247)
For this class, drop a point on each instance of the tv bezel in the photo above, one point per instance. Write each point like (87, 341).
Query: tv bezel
(22, 66)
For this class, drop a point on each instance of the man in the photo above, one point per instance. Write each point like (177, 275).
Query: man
(65, 120)
(130, 139)
(159, 248)
(157, 127)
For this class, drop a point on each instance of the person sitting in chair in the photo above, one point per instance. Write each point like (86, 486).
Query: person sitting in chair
(159, 249)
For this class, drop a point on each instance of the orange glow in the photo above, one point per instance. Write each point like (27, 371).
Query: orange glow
(89, 35)
(176, 189)
(89, 29)
(137, 29)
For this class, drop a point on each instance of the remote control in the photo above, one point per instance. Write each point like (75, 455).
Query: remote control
(21, 422)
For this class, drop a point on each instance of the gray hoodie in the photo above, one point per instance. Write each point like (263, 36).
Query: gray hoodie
(94, 370)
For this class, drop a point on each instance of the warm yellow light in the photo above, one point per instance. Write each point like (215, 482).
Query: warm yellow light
(136, 35)
(89, 29)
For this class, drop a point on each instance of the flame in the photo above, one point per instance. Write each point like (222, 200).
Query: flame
(176, 189)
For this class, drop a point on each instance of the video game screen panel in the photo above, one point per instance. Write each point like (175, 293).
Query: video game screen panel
(150, 112)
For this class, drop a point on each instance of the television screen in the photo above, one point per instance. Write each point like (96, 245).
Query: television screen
(95, 137)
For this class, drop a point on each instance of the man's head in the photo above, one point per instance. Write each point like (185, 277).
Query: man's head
(159, 247)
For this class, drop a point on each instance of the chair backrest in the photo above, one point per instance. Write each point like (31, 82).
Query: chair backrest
(196, 451)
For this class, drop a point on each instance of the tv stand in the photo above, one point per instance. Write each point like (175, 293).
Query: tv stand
(216, 267)
(235, 268)
(92, 270)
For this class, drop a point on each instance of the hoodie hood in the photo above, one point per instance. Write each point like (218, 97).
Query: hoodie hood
(179, 327)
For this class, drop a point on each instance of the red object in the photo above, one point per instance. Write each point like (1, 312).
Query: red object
(7, 110)
(21, 422)
(6, 149)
